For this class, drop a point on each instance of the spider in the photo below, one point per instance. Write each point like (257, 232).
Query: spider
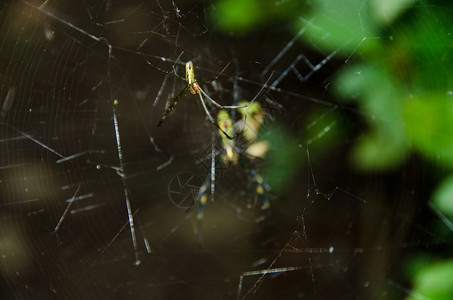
(195, 88)
(252, 116)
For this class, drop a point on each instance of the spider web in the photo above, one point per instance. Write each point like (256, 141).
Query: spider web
(98, 202)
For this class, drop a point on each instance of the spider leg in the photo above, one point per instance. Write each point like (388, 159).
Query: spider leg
(261, 188)
(223, 106)
(173, 104)
(218, 75)
(260, 185)
(213, 167)
(202, 198)
(210, 117)
(162, 70)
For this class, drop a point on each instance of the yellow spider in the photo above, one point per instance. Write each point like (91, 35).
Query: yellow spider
(252, 116)
(194, 88)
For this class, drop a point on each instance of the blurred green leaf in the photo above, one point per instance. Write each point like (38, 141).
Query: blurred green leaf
(416, 61)
(386, 144)
(414, 264)
(241, 16)
(237, 15)
(443, 197)
(284, 159)
(376, 152)
(386, 11)
(337, 25)
(429, 124)
(434, 282)
(420, 51)
(374, 88)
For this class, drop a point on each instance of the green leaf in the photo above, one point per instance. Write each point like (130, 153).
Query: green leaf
(381, 101)
(386, 11)
(338, 24)
(284, 159)
(443, 197)
(429, 124)
(434, 282)
(420, 51)
(237, 15)
(376, 153)
(241, 16)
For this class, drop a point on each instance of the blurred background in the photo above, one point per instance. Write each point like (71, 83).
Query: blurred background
(356, 117)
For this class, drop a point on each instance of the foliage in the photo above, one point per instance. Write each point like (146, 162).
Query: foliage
(434, 281)
(242, 16)
(400, 78)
